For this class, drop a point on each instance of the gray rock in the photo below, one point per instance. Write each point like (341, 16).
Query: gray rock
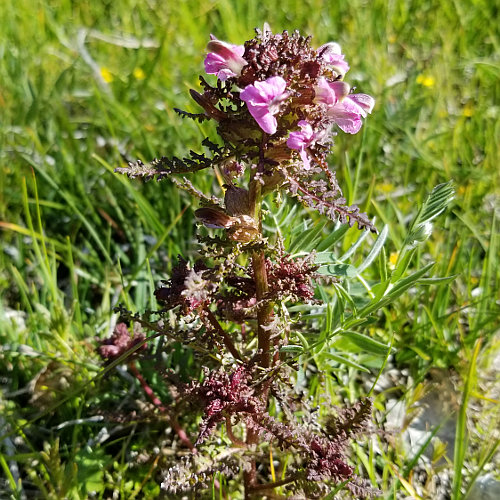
(486, 487)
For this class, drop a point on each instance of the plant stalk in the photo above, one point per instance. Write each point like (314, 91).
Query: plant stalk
(264, 311)
(225, 337)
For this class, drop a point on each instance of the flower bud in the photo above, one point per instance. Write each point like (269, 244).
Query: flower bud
(243, 232)
(232, 169)
(224, 59)
(331, 53)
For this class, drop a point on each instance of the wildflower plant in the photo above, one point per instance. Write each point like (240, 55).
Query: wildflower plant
(278, 103)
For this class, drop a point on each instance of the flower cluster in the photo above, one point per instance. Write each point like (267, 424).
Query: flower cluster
(277, 102)
(291, 278)
(307, 91)
(224, 394)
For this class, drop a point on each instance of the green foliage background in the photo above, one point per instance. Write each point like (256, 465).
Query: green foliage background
(85, 84)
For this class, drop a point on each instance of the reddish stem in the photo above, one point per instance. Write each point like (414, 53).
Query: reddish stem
(225, 337)
(229, 428)
(263, 312)
(154, 399)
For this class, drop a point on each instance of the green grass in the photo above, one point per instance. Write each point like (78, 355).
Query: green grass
(87, 84)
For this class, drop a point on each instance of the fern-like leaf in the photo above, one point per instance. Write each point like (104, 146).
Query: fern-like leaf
(200, 117)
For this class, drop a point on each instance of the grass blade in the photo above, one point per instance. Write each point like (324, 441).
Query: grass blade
(461, 430)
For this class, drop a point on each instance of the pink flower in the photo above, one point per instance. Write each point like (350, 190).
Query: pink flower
(263, 100)
(344, 109)
(331, 53)
(301, 140)
(348, 112)
(224, 59)
(330, 93)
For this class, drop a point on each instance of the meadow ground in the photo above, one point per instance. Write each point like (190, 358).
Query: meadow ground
(86, 84)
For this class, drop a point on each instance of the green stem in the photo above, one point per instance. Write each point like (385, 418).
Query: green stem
(276, 484)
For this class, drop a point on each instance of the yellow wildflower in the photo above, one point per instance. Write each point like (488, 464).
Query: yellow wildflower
(426, 80)
(468, 110)
(139, 74)
(393, 258)
(106, 75)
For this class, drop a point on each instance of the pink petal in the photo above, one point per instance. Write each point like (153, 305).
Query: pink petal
(277, 85)
(224, 74)
(331, 92)
(266, 121)
(329, 48)
(307, 130)
(364, 101)
(348, 122)
(341, 89)
(224, 59)
(226, 50)
(263, 100)
(214, 63)
(324, 93)
(252, 95)
(301, 138)
(351, 106)
(295, 141)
